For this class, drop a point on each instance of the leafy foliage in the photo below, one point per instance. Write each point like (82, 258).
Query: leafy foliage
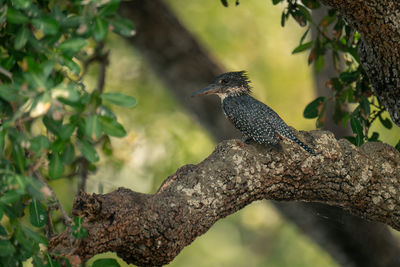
(51, 125)
(351, 87)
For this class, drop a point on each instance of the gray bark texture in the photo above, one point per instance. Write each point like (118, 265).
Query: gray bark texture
(151, 229)
(378, 22)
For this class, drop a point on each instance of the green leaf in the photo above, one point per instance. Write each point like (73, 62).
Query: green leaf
(299, 17)
(357, 129)
(3, 231)
(72, 45)
(6, 248)
(100, 29)
(111, 127)
(2, 141)
(19, 157)
(93, 127)
(21, 38)
(105, 263)
(77, 229)
(387, 123)
(305, 12)
(109, 9)
(15, 17)
(374, 137)
(398, 146)
(39, 143)
(88, 151)
(275, 2)
(51, 124)
(22, 4)
(106, 147)
(119, 99)
(35, 188)
(319, 63)
(34, 236)
(66, 131)
(10, 197)
(71, 65)
(304, 35)
(68, 154)
(302, 47)
(48, 25)
(349, 77)
(37, 211)
(8, 92)
(122, 26)
(56, 167)
(311, 111)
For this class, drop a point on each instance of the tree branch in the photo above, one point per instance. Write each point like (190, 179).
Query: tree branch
(150, 230)
(378, 22)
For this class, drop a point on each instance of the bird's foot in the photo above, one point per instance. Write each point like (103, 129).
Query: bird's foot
(245, 139)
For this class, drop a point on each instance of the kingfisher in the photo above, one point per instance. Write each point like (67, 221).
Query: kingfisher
(253, 118)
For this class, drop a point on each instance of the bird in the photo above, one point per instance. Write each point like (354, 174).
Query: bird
(253, 118)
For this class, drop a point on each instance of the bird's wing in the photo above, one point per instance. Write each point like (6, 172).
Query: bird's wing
(251, 119)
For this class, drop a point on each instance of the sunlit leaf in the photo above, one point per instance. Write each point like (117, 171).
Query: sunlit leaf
(22, 4)
(72, 45)
(119, 99)
(93, 127)
(88, 151)
(122, 26)
(56, 167)
(48, 25)
(112, 127)
(303, 47)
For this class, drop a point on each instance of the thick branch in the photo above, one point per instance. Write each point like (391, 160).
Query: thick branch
(151, 230)
(378, 22)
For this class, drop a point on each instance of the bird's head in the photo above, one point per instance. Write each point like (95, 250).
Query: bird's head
(227, 84)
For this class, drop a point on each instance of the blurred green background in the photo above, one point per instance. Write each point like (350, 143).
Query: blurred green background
(162, 137)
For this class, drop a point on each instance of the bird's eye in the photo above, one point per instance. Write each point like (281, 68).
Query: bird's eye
(223, 81)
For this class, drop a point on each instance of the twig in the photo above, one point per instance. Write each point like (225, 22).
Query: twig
(83, 171)
(49, 224)
(67, 219)
(6, 73)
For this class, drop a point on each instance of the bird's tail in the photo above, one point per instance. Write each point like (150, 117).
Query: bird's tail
(305, 147)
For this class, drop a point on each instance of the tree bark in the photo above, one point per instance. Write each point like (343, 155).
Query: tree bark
(183, 66)
(150, 230)
(378, 22)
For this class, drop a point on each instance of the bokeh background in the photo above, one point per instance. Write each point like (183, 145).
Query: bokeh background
(162, 136)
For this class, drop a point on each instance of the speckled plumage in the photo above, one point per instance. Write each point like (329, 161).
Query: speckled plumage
(250, 116)
(258, 121)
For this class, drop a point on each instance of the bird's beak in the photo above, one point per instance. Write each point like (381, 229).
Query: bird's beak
(208, 90)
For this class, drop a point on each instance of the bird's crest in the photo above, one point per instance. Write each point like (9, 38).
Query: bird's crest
(238, 79)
